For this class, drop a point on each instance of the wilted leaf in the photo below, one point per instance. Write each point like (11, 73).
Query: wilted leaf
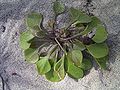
(59, 68)
(31, 55)
(58, 7)
(78, 15)
(98, 50)
(78, 45)
(34, 19)
(74, 71)
(51, 24)
(100, 35)
(24, 38)
(86, 64)
(43, 65)
(75, 56)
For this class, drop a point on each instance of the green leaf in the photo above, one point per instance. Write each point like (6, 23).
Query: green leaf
(39, 42)
(100, 35)
(78, 15)
(58, 7)
(52, 50)
(31, 55)
(43, 65)
(102, 62)
(66, 63)
(98, 50)
(75, 56)
(92, 25)
(52, 76)
(54, 55)
(78, 45)
(34, 19)
(86, 64)
(59, 68)
(36, 31)
(74, 71)
(78, 24)
(24, 38)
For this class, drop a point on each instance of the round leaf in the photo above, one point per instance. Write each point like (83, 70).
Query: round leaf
(86, 64)
(36, 31)
(78, 15)
(24, 38)
(92, 25)
(100, 35)
(98, 50)
(34, 19)
(75, 56)
(78, 45)
(52, 76)
(74, 71)
(102, 62)
(38, 43)
(43, 65)
(58, 7)
(31, 55)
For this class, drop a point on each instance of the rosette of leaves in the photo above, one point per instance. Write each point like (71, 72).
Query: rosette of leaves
(58, 52)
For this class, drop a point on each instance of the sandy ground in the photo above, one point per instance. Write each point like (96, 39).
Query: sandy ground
(20, 75)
